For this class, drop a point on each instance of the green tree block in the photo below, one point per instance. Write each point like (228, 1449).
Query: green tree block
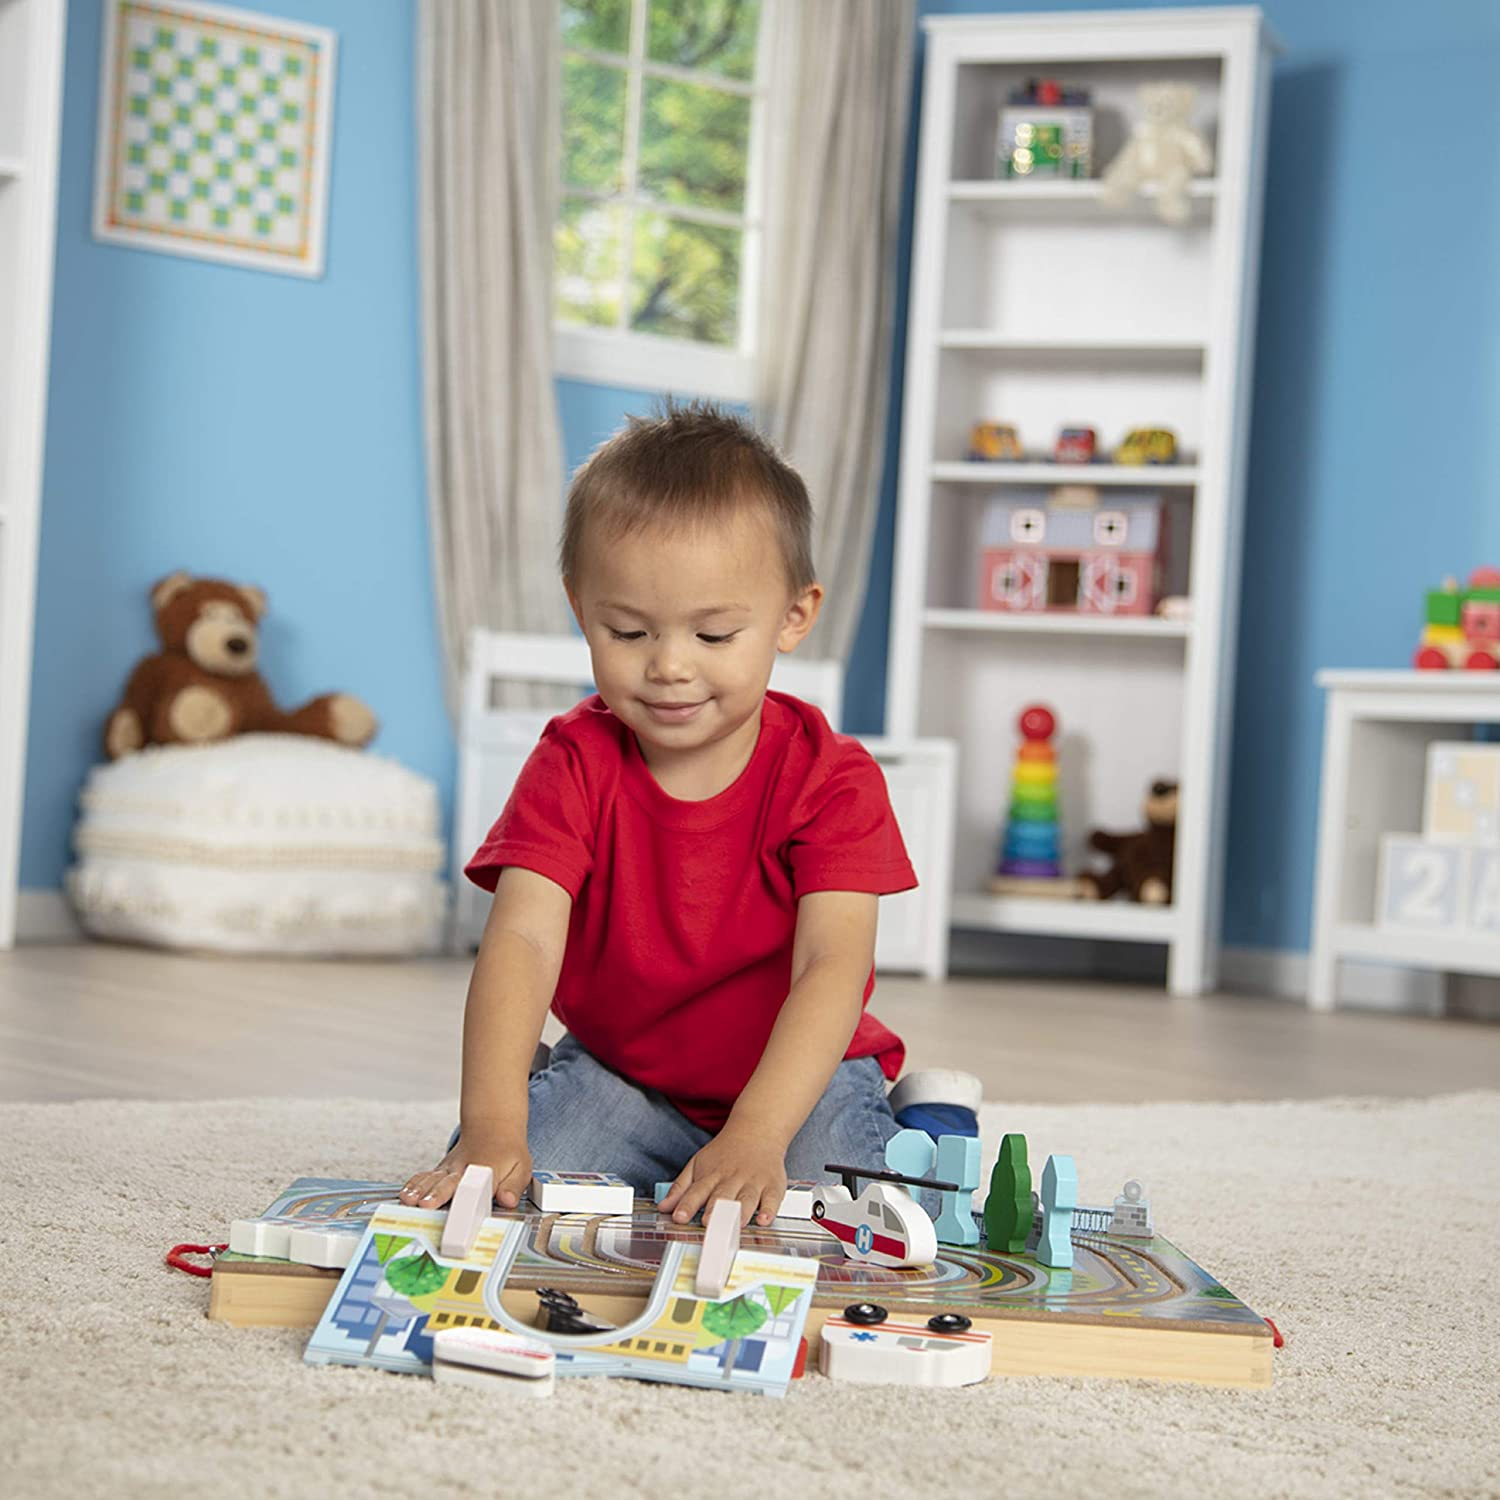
(1007, 1210)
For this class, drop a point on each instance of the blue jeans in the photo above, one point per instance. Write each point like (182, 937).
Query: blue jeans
(586, 1118)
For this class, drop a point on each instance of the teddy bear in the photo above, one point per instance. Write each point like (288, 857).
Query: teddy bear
(1163, 152)
(1141, 862)
(202, 685)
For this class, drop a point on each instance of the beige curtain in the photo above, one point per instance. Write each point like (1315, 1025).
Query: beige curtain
(489, 144)
(842, 81)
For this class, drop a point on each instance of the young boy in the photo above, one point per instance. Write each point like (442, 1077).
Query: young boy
(688, 867)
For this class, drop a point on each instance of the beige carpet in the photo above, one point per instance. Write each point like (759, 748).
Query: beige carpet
(1368, 1230)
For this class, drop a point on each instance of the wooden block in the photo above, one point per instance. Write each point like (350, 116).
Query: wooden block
(1423, 885)
(958, 1161)
(797, 1202)
(1484, 892)
(721, 1243)
(1007, 1210)
(472, 1204)
(1054, 1246)
(1463, 793)
(581, 1193)
(496, 1350)
(911, 1153)
(260, 1237)
(329, 1246)
(891, 1353)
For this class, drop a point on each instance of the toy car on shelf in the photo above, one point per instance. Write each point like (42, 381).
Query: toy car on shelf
(1463, 625)
(995, 442)
(1148, 445)
(1076, 445)
(884, 1225)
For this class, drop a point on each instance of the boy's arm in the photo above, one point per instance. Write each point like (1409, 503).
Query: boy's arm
(832, 952)
(515, 976)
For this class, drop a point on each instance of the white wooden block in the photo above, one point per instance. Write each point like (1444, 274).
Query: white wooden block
(1422, 885)
(495, 1350)
(1463, 792)
(1484, 892)
(331, 1246)
(260, 1237)
(581, 1193)
(797, 1201)
(893, 1353)
(721, 1243)
(470, 1207)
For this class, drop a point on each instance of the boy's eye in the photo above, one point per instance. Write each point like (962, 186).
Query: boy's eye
(627, 635)
(717, 640)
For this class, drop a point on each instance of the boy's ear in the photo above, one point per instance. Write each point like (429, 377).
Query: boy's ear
(801, 616)
(573, 605)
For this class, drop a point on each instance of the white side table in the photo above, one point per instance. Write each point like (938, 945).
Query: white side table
(1375, 736)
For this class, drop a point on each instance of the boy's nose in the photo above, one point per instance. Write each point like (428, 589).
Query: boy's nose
(667, 665)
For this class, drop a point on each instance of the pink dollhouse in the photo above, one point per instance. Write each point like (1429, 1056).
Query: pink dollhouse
(1102, 559)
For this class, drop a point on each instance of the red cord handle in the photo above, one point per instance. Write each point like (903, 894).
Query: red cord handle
(177, 1258)
(1277, 1341)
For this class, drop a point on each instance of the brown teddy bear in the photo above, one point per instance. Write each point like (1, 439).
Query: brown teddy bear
(1142, 862)
(203, 685)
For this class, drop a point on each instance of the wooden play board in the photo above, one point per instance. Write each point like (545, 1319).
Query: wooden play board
(1128, 1308)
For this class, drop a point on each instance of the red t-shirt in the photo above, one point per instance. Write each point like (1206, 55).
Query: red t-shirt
(679, 952)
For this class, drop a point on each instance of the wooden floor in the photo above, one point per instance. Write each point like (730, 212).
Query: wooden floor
(96, 1021)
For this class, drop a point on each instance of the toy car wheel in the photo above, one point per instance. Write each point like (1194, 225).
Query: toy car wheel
(949, 1323)
(1430, 659)
(820, 1209)
(866, 1313)
(1480, 661)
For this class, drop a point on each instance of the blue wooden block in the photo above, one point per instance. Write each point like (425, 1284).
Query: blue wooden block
(1059, 1199)
(660, 1191)
(911, 1153)
(958, 1161)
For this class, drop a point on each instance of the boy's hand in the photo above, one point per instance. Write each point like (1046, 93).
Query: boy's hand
(735, 1164)
(504, 1154)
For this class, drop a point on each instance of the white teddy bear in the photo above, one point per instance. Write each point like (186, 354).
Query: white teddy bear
(1163, 152)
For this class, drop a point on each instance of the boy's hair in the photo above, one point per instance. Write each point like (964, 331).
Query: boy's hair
(687, 464)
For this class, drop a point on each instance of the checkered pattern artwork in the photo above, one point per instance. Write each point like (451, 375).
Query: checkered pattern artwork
(214, 134)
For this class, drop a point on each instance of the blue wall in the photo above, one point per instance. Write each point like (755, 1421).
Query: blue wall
(1374, 451)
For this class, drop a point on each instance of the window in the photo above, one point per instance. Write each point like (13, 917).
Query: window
(659, 220)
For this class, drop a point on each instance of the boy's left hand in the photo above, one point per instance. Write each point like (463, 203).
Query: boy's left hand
(735, 1164)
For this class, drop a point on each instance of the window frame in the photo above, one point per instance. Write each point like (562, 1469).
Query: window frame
(650, 361)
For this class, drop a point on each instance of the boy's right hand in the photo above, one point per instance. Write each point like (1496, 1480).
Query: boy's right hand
(505, 1155)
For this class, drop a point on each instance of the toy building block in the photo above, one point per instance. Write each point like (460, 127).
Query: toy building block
(911, 1153)
(797, 1201)
(958, 1159)
(1132, 1213)
(493, 1359)
(261, 1237)
(581, 1193)
(472, 1201)
(331, 1246)
(906, 1353)
(1007, 1210)
(721, 1243)
(1059, 1199)
(660, 1191)
(1463, 793)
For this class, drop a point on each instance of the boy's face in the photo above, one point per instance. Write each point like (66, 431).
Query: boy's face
(683, 628)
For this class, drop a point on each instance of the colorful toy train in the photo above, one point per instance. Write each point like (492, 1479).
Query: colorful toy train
(1463, 625)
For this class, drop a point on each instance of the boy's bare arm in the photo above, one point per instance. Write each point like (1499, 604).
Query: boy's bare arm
(515, 975)
(831, 956)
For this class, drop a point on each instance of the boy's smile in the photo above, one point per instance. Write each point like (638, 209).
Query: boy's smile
(683, 627)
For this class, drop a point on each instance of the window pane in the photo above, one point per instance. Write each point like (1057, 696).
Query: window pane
(596, 25)
(588, 263)
(593, 106)
(685, 280)
(715, 35)
(694, 141)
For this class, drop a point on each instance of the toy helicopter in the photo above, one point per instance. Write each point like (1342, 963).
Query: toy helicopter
(884, 1225)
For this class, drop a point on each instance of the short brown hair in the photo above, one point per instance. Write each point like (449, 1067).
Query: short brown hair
(689, 463)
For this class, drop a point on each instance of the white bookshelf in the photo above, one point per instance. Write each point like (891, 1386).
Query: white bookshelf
(31, 65)
(1033, 304)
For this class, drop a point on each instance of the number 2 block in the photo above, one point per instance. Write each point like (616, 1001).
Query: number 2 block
(1423, 886)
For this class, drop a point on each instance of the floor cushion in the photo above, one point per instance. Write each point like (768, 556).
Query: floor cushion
(265, 843)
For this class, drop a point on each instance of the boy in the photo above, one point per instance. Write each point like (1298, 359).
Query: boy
(688, 867)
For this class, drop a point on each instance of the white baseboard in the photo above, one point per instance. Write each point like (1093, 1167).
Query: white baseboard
(44, 916)
(1282, 972)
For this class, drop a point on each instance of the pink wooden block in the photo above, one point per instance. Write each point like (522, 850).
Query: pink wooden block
(721, 1243)
(467, 1212)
